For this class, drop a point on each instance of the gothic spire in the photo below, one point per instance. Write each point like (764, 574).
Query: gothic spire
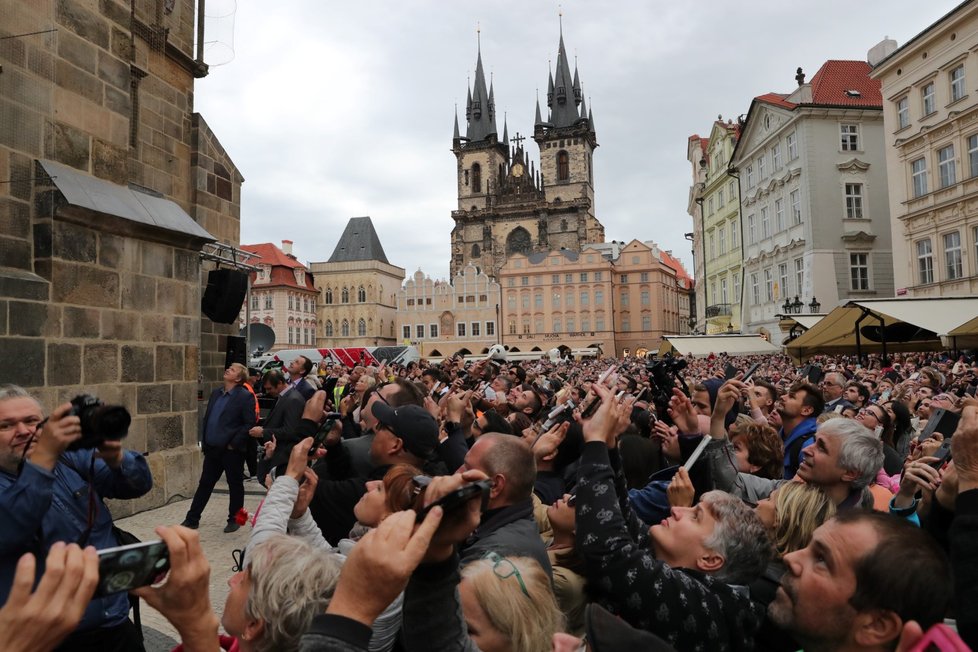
(590, 120)
(538, 121)
(505, 135)
(456, 137)
(481, 116)
(564, 103)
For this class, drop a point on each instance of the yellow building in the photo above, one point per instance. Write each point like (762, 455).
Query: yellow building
(723, 259)
(358, 290)
(930, 113)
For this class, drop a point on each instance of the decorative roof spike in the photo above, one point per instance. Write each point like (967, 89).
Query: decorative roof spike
(590, 120)
(505, 133)
(583, 108)
(550, 86)
(538, 121)
(577, 87)
(456, 137)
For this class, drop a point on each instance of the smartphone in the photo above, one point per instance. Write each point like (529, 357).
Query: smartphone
(688, 464)
(940, 638)
(459, 497)
(750, 372)
(124, 568)
(943, 454)
(729, 371)
(320, 437)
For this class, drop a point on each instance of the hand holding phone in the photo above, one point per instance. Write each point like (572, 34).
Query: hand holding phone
(124, 568)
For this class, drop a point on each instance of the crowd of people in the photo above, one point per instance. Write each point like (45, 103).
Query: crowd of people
(714, 503)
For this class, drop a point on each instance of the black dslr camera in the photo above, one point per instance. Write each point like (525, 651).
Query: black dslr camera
(664, 375)
(99, 422)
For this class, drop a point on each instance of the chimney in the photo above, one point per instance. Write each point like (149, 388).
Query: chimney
(880, 51)
(287, 247)
(800, 77)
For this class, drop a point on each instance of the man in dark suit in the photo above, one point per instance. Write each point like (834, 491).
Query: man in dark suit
(299, 370)
(230, 414)
(282, 420)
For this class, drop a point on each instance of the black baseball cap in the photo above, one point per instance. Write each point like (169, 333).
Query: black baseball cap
(412, 424)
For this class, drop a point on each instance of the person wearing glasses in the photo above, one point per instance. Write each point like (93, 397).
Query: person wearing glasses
(51, 494)
(833, 389)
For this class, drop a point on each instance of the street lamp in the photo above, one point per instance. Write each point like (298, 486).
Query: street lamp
(797, 304)
(786, 308)
(814, 306)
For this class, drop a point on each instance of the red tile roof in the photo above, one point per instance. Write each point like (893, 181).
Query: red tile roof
(674, 263)
(282, 266)
(835, 77)
(776, 99)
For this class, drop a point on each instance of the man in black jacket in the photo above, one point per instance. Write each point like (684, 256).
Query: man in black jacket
(683, 579)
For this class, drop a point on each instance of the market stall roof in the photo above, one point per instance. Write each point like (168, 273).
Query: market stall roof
(807, 320)
(913, 324)
(704, 345)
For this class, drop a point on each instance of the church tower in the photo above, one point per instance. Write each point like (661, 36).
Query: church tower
(506, 205)
(567, 142)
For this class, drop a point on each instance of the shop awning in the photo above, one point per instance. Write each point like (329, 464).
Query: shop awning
(914, 324)
(704, 345)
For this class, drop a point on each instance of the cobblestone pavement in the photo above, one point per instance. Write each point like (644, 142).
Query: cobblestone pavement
(160, 635)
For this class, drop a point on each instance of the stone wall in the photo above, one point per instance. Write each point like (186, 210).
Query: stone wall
(91, 302)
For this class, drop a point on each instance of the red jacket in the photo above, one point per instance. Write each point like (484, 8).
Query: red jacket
(228, 643)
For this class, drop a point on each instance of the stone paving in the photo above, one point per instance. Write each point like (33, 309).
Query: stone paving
(160, 635)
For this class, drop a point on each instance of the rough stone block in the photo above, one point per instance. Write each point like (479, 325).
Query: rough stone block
(170, 297)
(81, 322)
(77, 51)
(24, 89)
(184, 397)
(138, 293)
(182, 472)
(64, 363)
(101, 364)
(113, 71)
(28, 132)
(30, 357)
(136, 441)
(157, 259)
(121, 43)
(118, 101)
(115, 12)
(16, 253)
(76, 80)
(67, 145)
(186, 329)
(85, 285)
(110, 250)
(137, 364)
(110, 162)
(82, 22)
(119, 326)
(3, 318)
(154, 328)
(21, 284)
(186, 266)
(169, 363)
(163, 432)
(191, 363)
(74, 242)
(153, 399)
(15, 218)
(32, 319)
(20, 128)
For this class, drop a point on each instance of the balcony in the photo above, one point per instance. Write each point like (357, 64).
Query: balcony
(718, 310)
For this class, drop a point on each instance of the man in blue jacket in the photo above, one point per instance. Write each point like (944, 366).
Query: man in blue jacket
(230, 415)
(49, 494)
(799, 408)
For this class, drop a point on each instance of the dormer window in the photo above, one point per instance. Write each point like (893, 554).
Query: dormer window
(263, 273)
(300, 276)
(853, 93)
(561, 95)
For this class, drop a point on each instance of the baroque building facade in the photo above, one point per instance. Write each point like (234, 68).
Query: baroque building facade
(358, 290)
(508, 206)
(931, 132)
(283, 295)
(813, 194)
(442, 318)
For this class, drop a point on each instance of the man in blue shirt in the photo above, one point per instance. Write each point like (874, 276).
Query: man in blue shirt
(49, 494)
(798, 409)
(230, 415)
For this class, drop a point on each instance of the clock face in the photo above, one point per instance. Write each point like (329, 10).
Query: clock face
(517, 170)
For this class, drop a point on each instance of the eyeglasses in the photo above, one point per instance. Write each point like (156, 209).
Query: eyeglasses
(871, 413)
(504, 569)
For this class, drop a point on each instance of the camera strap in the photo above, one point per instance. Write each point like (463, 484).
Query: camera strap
(92, 498)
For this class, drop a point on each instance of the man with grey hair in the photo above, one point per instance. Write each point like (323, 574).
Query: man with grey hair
(833, 389)
(52, 492)
(843, 460)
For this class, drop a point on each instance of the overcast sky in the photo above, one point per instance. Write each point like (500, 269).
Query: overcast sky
(334, 110)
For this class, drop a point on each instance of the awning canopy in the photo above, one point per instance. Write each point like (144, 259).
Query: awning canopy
(704, 345)
(913, 324)
(85, 191)
(807, 321)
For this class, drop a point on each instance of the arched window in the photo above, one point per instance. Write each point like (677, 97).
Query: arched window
(476, 178)
(346, 295)
(476, 251)
(328, 328)
(519, 241)
(345, 329)
(328, 298)
(563, 225)
(361, 328)
(361, 294)
(563, 166)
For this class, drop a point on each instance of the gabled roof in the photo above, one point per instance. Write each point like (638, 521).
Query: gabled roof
(358, 242)
(777, 99)
(282, 266)
(832, 81)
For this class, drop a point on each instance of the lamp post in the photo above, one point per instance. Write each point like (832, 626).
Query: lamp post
(814, 306)
(786, 308)
(796, 305)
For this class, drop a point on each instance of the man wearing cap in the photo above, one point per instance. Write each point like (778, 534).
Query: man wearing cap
(402, 435)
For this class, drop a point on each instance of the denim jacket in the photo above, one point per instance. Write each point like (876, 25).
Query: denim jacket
(39, 508)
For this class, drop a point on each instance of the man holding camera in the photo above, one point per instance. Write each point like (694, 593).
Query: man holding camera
(53, 476)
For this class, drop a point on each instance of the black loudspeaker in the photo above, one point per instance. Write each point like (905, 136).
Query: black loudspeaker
(224, 296)
(236, 351)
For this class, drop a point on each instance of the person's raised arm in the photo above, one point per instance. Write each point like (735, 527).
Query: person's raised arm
(964, 529)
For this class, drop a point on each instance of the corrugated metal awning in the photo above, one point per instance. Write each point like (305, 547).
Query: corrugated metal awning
(83, 190)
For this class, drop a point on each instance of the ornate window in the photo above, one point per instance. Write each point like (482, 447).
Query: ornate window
(476, 178)
(361, 295)
(345, 329)
(328, 328)
(563, 166)
(328, 296)
(361, 328)
(345, 296)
